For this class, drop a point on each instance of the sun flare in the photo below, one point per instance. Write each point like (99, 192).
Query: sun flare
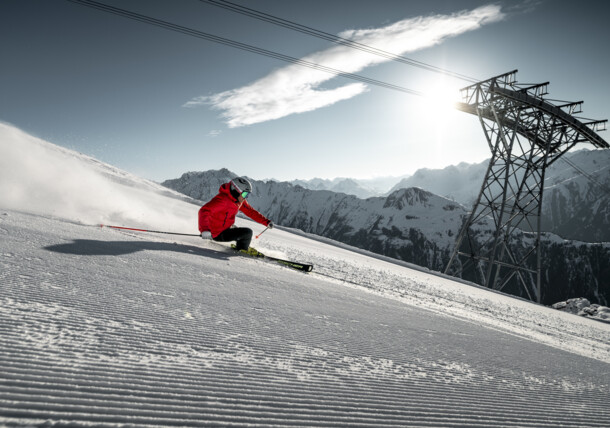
(441, 96)
(439, 120)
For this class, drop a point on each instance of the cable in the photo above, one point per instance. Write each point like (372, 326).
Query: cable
(286, 58)
(239, 45)
(331, 37)
(586, 174)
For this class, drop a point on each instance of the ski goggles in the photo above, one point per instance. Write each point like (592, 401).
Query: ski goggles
(244, 194)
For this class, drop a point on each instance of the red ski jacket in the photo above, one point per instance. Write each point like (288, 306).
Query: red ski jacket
(219, 214)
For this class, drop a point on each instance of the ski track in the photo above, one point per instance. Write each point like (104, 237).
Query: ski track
(106, 329)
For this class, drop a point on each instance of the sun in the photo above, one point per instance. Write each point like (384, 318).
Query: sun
(441, 96)
(438, 110)
(439, 121)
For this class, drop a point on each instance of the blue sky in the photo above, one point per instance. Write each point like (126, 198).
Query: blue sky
(158, 103)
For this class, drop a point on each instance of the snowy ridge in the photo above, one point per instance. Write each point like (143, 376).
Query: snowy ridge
(362, 188)
(333, 214)
(100, 327)
(460, 183)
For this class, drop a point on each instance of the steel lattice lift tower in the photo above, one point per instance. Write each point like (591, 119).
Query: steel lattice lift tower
(526, 133)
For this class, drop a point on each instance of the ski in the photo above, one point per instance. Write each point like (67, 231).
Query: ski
(304, 267)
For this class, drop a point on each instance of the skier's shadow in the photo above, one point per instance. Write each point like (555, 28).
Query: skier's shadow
(90, 247)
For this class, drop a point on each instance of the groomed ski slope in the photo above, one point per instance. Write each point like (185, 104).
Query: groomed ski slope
(105, 328)
(111, 329)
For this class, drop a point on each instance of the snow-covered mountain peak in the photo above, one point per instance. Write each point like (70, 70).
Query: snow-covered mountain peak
(411, 196)
(362, 188)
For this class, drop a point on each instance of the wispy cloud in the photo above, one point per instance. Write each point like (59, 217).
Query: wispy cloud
(296, 89)
(525, 6)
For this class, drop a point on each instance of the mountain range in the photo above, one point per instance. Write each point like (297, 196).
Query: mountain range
(577, 187)
(419, 226)
(363, 188)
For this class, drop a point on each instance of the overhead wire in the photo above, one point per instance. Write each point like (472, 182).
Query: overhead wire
(585, 174)
(243, 46)
(332, 38)
(298, 27)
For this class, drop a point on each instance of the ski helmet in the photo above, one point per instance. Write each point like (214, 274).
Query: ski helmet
(241, 186)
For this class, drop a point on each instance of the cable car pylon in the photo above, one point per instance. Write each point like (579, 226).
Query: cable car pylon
(499, 243)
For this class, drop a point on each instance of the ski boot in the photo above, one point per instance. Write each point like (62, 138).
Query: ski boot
(253, 252)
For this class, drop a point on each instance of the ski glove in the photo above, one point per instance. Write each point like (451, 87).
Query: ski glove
(206, 235)
(270, 225)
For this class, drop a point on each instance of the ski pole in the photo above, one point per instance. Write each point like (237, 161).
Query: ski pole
(261, 232)
(146, 230)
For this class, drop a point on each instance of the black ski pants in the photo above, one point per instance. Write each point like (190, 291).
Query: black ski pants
(242, 236)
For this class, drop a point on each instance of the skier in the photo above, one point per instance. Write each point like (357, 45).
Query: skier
(217, 217)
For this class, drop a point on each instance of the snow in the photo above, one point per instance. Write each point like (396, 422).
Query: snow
(100, 327)
(37, 176)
